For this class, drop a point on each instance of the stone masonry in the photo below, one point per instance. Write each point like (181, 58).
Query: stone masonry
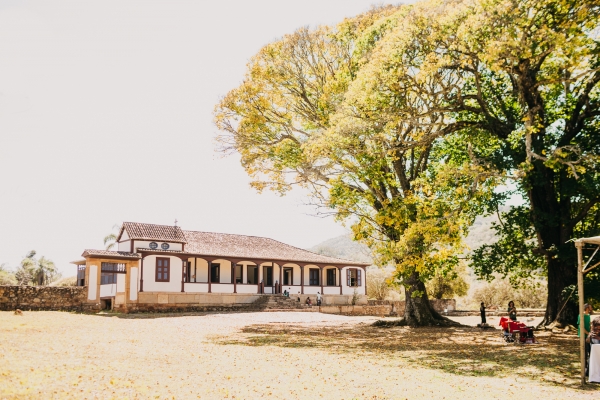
(47, 298)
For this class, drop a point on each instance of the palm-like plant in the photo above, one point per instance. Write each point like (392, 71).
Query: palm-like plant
(45, 271)
(38, 272)
(110, 240)
(26, 270)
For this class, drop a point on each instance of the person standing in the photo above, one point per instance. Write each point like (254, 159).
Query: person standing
(587, 311)
(512, 311)
(482, 312)
(318, 298)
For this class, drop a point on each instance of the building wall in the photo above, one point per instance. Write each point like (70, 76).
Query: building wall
(150, 284)
(199, 267)
(124, 245)
(121, 283)
(146, 245)
(350, 290)
(225, 271)
(295, 272)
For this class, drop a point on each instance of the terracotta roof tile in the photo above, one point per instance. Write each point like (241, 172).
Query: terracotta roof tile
(108, 253)
(163, 233)
(225, 245)
(239, 246)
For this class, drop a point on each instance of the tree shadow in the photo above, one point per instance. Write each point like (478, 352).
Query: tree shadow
(155, 315)
(457, 350)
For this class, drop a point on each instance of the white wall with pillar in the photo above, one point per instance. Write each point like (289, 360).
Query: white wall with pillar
(349, 290)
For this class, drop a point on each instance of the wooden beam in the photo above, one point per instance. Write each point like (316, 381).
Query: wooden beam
(579, 246)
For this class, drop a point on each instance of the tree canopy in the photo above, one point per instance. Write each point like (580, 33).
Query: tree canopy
(406, 122)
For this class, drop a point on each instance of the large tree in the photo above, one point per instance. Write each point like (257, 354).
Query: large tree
(530, 71)
(350, 113)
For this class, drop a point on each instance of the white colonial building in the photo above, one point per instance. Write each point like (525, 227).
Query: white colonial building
(158, 266)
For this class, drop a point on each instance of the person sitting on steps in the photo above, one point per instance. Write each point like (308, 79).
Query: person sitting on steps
(309, 301)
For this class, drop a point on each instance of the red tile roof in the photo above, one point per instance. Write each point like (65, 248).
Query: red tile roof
(163, 233)
(108, 253)
(227, 245)
(240, 246)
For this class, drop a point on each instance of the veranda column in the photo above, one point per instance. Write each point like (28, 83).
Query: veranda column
(233, 265)
(209, 277)
(321, 278)
(365, 280)
(142, 275)
(182, 273)
(302, 279)
(340, 278)
(258, 277)
(280, 276)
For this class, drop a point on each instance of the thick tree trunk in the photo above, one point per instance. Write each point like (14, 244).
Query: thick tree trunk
(559, 277)
(551, 219)
(418, 311)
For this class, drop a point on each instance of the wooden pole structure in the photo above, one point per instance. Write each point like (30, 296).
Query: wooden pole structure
(579, 246)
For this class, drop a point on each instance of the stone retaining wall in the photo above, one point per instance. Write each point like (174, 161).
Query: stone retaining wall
(385, 308)
(47, 298)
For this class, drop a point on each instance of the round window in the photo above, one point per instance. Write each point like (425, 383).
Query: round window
(165, 246)
(153, 245)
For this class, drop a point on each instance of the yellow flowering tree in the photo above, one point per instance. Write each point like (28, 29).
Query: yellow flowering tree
(351, 113)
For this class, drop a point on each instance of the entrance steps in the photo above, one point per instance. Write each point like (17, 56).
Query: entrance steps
(278, 302)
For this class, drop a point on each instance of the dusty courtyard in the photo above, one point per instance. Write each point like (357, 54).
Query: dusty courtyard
(272, 355)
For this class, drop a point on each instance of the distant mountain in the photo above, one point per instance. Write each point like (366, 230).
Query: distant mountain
(481, 232)
(343, 247)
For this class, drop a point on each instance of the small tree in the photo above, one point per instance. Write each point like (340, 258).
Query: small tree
(6, 276)
(377, 284)
(448, 284)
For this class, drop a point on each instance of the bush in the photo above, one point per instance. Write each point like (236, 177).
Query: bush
(378, 284)
(68, 281)
(448, 285)
(499, 292)
(7, 278)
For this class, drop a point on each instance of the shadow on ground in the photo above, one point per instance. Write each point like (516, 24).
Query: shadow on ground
(111, 314)
(456, 350)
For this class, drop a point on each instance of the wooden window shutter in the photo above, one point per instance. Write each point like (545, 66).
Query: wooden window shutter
(358, 271)
(349, 276)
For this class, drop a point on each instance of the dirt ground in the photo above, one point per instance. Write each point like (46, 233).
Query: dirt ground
(273, 355)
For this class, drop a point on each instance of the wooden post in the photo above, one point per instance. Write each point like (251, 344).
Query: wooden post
(182, 274)
(302, 279)
(233, 265)
(142, 275)
(321, 279)
(365, 281)
(280, 277)
(579, 246)
(340, 278)
(209, 277)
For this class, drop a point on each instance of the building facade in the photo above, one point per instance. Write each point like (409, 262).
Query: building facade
(159, 266)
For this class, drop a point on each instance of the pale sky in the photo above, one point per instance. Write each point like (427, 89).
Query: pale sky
(106, 116)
